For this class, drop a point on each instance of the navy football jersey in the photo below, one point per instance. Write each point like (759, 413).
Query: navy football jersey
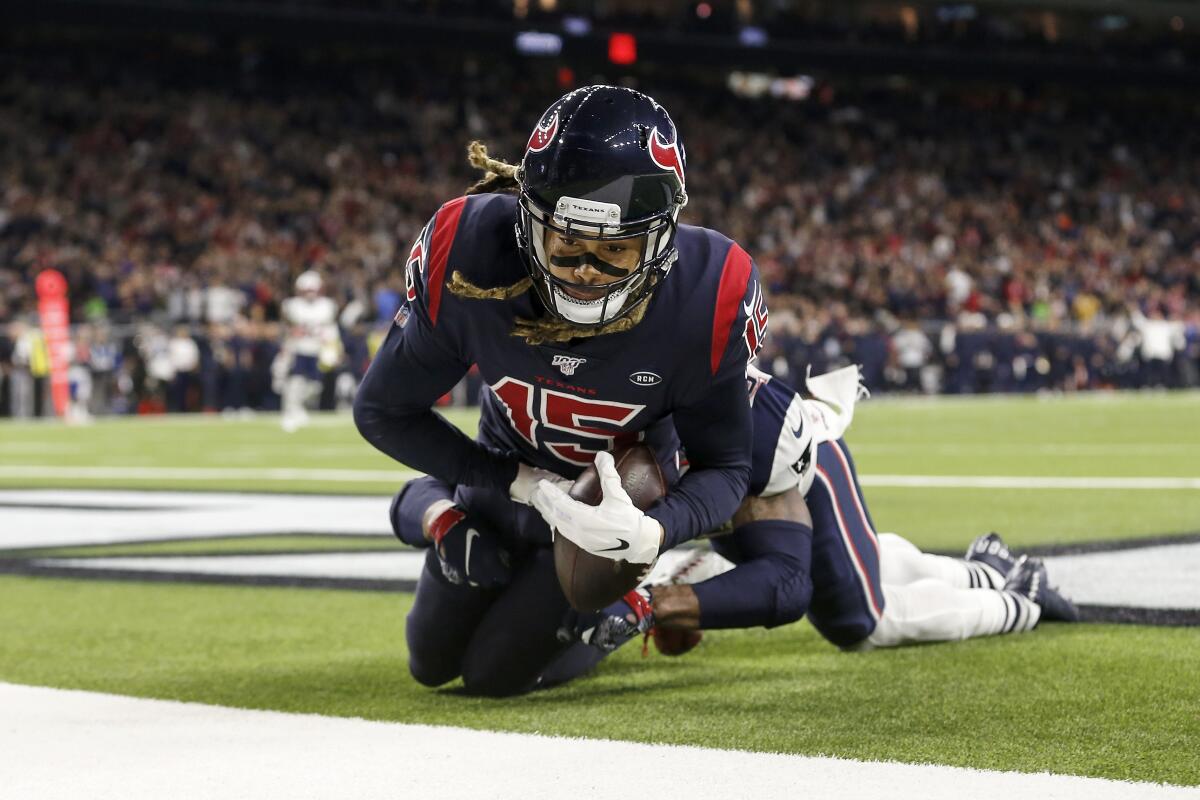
(675, 377)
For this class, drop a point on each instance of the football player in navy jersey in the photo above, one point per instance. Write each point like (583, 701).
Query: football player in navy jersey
(594, 318)
(803, 542)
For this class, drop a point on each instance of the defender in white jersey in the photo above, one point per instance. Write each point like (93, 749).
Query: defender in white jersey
(311, 345)
(804, 543)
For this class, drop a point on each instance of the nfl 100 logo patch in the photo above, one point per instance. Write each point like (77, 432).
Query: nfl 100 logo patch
(568, 364)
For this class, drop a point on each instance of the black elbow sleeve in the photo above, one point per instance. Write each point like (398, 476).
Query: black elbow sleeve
(793, 593)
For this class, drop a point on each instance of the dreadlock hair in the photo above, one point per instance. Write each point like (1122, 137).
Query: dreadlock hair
(462, 287)
(546, 329)
(501, 177)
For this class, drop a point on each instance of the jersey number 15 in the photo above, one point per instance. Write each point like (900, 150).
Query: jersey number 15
(556, 414)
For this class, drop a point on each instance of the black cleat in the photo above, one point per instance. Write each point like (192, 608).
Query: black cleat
(1028, 578)
(990, 549)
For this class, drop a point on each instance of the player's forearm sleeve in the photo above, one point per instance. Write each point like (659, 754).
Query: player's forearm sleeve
(771, 586)
(394, 412)
(716, 435)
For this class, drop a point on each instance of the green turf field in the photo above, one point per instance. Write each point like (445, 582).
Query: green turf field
(1113, 701)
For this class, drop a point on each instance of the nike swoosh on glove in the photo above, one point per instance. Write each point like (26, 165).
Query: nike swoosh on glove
(615, 529)
(468, 553)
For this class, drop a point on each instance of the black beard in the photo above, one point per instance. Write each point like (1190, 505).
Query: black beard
(592, 260)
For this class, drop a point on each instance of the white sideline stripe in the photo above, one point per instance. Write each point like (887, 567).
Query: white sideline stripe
(401, 565)
(1022, 482)
(392, 477)
(128, 748)
(1026, 448)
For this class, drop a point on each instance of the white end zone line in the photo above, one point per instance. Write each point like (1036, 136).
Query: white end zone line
(71, 744)
(392, 477)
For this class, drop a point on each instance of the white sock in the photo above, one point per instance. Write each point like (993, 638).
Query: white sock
(295, 395)
(930, 611)
(901, 563)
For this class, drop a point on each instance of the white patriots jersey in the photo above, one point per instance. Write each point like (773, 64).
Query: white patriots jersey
(787, 427)
(311, 323)
(783, 437)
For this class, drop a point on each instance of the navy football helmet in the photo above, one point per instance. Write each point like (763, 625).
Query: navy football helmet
(603, 163)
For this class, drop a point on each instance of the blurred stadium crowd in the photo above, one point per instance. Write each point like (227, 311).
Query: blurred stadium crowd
(949, 240)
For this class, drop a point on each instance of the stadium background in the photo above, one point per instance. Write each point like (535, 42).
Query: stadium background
(920, 198)
(967, 198)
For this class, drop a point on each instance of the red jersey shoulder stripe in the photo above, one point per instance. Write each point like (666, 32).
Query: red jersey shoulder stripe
(735, 274)
(444, 231)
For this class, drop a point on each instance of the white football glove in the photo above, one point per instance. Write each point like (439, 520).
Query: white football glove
(614, 529)
(527, 480)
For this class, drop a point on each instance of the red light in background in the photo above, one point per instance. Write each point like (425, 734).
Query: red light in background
(566, 77)
(622, 48)
(704, 11)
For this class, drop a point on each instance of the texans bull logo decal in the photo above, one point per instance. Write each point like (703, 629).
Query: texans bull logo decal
(542, 135)
(666, 154)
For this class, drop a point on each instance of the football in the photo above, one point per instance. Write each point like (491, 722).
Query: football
(591, 582)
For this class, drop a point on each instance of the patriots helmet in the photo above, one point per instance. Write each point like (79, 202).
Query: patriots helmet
(308, 282)
(603, 163)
